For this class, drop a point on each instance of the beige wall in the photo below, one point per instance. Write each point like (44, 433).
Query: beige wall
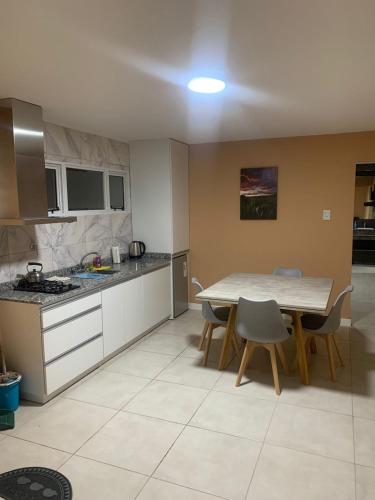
(315, 173)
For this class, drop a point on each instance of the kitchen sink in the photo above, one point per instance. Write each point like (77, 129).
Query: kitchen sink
(106, 271)
(99, 274)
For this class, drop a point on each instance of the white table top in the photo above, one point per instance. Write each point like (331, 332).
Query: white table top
(298, 294)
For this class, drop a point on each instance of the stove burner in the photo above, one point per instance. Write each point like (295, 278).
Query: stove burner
(54, 287)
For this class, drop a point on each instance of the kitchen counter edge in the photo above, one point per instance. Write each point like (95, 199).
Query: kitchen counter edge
(87, 286)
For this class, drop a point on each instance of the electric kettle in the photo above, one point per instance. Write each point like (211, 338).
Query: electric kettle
(136, 249)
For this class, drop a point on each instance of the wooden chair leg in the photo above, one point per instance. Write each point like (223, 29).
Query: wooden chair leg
(282, 357)
(203, 335)
(274, 368)
(247, 353)
(331, 360)
(313, 348)
(208, 344)
(308, 348)
(337, 350)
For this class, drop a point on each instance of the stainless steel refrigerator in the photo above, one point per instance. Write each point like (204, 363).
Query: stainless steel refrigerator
(180, 284)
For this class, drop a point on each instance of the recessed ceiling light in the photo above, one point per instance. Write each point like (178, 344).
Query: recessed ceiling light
(205, 85)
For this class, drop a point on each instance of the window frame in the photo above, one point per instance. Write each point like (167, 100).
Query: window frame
(62, 188)
(57, 169)
(125, 183)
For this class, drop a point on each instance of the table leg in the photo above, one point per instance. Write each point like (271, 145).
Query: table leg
(228, 336)
(301, 351)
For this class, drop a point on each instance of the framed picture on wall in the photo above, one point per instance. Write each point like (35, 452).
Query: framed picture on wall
(258, 193)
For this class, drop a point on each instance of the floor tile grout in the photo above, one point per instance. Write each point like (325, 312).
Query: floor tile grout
(105, 463)
(101, 427)
(276, 402)
(261, 449)
(353, 427)
(185, 426)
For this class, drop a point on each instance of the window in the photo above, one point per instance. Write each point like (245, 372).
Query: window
(85, 189)
(116, 192)
(75, 189)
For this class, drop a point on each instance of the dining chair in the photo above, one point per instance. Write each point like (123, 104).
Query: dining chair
(262, 325)
(214, 318)
(293, 272)
(324, 327)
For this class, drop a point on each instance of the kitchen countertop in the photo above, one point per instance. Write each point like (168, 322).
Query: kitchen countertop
(128, 270)
(364, 236)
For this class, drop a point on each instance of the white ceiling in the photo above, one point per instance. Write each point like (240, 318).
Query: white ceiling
(119, 67)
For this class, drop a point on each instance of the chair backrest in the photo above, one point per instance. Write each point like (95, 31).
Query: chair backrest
(333, 320)
(293, 272)
(207, 311)
(260, 321)
(197, 284)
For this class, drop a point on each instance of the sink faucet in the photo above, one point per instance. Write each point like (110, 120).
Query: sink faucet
(86, 255)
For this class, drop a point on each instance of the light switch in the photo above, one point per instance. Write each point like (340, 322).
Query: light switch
(326, 214)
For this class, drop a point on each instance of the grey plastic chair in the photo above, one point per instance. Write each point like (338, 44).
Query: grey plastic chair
(262, 325)
(324, 327)
(214, 318)
(293, 272)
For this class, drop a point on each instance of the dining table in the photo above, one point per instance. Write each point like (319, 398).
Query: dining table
(295, 296)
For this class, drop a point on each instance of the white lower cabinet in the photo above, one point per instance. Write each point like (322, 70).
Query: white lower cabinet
(134, 309)
(63, 370)
(157, 296)
(131, 308)
(113, 309)
(66, 337)
(66, 341)
(122, 307)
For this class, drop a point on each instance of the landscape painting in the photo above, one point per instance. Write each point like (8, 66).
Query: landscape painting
(258, 193)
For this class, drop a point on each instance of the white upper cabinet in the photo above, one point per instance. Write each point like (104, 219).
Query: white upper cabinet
(160, 194)
(180, 196)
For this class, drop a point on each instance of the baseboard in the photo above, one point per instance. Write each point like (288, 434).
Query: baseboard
(346, 322)
(194, 306)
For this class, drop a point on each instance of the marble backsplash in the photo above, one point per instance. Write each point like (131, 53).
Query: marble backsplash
(62, 245)
(68, 145)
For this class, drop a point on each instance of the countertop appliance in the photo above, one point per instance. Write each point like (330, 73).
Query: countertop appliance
(180, 284)
(136, 249)
(45, 286)
(23, 186)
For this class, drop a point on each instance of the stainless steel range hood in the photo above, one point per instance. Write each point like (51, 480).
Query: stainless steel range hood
(23, 190)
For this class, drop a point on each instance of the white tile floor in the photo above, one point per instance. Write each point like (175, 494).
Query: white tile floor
(153, 424)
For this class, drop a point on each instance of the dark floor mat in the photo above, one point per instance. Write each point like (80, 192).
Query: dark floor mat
(34, 483)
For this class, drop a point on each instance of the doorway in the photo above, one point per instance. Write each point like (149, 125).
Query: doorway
(363, 259)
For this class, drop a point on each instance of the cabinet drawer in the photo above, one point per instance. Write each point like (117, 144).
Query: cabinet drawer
(73, 308)
(65, 369)
(65, 337)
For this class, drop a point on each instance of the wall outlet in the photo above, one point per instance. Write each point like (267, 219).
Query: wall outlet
(326, 215)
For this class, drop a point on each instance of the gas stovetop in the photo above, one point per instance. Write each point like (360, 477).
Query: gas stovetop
(54, 287)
